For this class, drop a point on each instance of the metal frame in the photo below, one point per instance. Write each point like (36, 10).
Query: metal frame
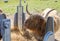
(20, 16)
(5, 31)
(5, 27)
(49, 35)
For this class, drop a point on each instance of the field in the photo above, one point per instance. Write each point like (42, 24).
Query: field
(39, 5)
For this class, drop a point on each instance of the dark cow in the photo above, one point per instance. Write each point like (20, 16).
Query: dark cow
(36, 24)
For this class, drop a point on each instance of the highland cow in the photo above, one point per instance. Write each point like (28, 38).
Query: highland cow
(37, 23)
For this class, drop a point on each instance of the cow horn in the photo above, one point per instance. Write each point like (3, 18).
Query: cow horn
(27, 10)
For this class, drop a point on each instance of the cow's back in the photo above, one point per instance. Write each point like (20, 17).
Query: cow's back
(52, 13)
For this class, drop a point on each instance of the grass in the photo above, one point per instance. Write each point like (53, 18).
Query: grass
(40, 5)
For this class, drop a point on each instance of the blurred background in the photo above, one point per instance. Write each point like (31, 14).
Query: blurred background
(39, 5)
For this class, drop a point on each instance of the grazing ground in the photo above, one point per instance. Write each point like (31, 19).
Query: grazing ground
(40, 5)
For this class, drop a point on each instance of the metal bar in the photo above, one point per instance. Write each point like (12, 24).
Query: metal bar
(20, 3)
(50, 24)
(21, 17)
(6, 29)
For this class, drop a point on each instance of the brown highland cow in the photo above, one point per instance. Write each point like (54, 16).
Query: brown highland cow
(37, 23)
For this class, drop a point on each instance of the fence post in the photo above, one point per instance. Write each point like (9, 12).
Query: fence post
(21, 17)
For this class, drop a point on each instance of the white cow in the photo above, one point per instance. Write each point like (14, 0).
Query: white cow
(53, 13)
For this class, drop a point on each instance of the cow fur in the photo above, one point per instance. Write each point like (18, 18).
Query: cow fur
(37, 23)
(53, 14)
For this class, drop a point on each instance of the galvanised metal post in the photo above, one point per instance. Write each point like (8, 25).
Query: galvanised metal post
(21, 15)
(20, 3)
(6, 30)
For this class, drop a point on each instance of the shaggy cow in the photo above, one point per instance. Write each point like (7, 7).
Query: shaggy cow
(37, 23)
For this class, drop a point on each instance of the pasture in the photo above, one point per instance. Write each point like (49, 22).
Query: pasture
(40, 5)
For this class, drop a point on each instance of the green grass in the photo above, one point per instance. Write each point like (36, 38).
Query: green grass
(40, 5)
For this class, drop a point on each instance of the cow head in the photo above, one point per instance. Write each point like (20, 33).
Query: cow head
(36, 24)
